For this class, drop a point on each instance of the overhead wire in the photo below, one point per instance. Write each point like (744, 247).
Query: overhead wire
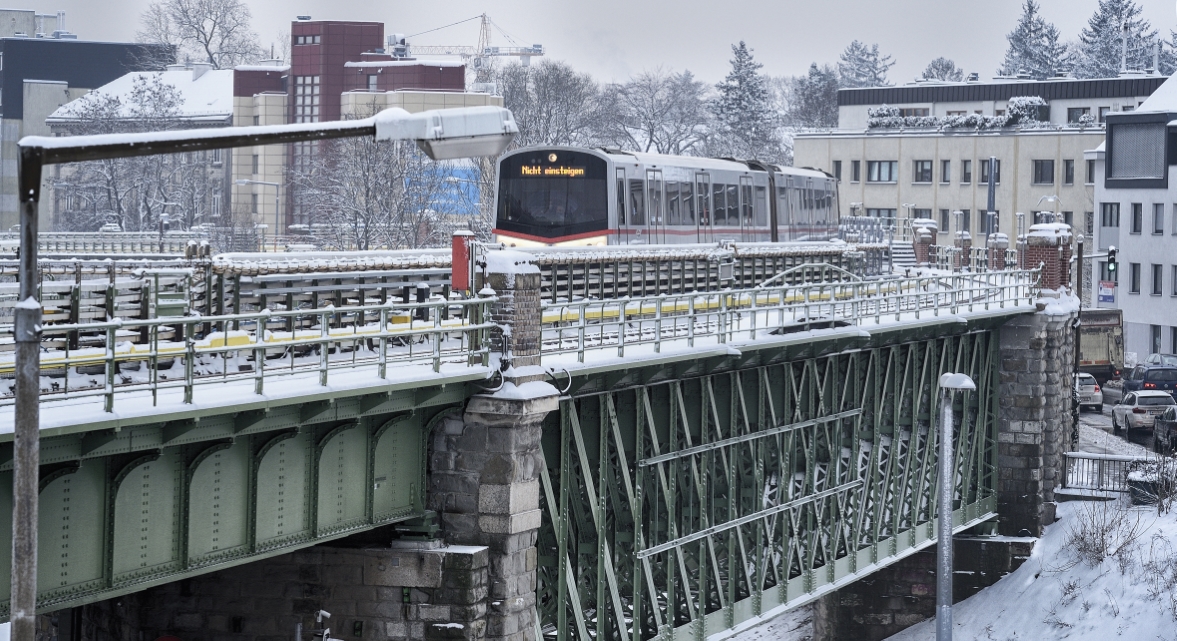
(478, 17)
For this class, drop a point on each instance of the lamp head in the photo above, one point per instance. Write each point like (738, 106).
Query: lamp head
(957, 382)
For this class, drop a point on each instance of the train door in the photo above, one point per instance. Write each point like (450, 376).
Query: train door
(655, 210)
(747, 225)
(622, 224)
(703, 207)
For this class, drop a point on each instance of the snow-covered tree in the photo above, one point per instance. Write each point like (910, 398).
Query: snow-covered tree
(1099, 52)
(212, 31)
(863, 66)
(814, 98)
(657, 111)
(1034, 47)
(943, 69)
(745, 122)
(134, 192)
(553, 103)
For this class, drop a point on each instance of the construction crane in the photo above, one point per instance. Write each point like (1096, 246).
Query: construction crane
(475, 57)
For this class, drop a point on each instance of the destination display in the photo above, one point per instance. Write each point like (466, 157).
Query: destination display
(532, 171)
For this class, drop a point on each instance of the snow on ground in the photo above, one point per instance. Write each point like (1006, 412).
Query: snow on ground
(1058, 593)
(1095, 436)
(794, 625)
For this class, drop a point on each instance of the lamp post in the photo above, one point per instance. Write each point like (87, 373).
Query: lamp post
(949, 383)
(277, 202)
(441, 134)
(1053, 198)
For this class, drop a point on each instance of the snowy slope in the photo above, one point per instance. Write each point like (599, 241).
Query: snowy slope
(1130, 594)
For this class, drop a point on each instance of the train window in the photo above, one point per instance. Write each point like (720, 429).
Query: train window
(761, 206)
(746, 205)
(655, 201)
(637, 203)
(673, 212)
(733, 205)
(703, 193)
(718, 204)
(686, 199)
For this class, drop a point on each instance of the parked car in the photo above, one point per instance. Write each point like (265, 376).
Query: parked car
(1165, 430)
(1139, 410)
(1152, 377)
(1167, 360)
(1089, 393)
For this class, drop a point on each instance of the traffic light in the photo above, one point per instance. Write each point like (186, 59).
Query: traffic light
(1112, 261)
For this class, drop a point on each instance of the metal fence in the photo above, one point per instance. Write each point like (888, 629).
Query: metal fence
(719, 317)
(144, 358)
(1102, 472)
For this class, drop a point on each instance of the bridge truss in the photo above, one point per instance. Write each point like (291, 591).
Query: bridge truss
(684, 499)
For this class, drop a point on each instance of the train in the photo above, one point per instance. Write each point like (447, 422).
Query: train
(574, 196)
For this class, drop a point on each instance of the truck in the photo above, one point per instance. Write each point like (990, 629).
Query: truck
(1101, 343)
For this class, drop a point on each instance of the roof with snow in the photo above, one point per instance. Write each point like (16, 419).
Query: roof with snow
(1163, 100)
(207, 93)
(1129, 85)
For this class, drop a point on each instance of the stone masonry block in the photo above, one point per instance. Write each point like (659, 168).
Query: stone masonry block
(412, 569)
(510, 524)
(509, 499)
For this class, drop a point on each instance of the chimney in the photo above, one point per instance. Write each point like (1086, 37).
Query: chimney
(199, 69)
(61, 21)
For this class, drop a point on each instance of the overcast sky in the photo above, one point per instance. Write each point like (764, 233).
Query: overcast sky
(613, 39)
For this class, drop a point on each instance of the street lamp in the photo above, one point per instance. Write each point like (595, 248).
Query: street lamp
(1053, 198)
(441, 134)
(277, 200)
(949, 383)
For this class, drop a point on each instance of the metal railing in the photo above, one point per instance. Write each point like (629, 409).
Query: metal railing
(143, 358)
(948, 257)
(1101, 472)
(711, 318)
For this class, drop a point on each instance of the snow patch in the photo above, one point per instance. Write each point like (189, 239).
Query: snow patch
(526, 391)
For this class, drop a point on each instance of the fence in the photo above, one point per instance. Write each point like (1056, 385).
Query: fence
(140, 359)
(716, 318)
(1103, 472)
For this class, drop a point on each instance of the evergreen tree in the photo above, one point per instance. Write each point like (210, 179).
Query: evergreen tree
(943, 69)
(1034, 47)
(745, 119)
(1101, 44)
(814, 98)
(863, 66)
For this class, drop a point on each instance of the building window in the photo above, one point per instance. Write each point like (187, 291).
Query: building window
(253, 203)
(215, 208)
(882, 213)
(307, 40)
(1173, 284)
(1075, 113)
(855, 171)
(1103, 112)
(1156, 338)
(217, 158)
(373, 82)
(257, 120)
(914, 112)
(838, 169)
(1133, 278)
(922, 170)
(1137, 217)
(945, 219)
(1110, 215)
(966, 172)
(1043, 172)
(1173, 340)
(882, 171)
(1089, 179)
(1158, 284)
(996, 173)
(966, 220)
(1069, 218)
(306, 99)
(956, 113)
(1068, 172)
(1174, 230)
(1158, 219)
(922, 214)
(946, 172)
(255, 164)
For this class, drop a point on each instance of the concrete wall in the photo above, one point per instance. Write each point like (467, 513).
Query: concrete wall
(41, 98)
(261, 109)
(1015, 192)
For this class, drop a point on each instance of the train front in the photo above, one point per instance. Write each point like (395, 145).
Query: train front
(552, 196)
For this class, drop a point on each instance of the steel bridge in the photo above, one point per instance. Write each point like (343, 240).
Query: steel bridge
(721, 449)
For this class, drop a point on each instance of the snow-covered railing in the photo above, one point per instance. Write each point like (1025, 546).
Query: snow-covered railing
(1100, 472)
(711, 318)
(140, 359)
(102, 243)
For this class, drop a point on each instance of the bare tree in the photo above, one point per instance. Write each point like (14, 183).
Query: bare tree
(366, 195)
(213, 31)
(553, 103)
(134, 192)
(657, 111)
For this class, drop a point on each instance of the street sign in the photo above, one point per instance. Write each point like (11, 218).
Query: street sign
(1107, 291)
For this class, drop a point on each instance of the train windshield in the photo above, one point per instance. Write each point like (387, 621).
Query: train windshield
(553, 193)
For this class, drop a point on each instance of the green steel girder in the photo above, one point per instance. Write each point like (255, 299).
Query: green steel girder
(141, 503)
(682, 497)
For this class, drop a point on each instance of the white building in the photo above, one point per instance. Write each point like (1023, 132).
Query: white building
(1137, 214)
